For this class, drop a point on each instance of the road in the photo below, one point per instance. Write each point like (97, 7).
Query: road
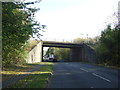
(78, 75)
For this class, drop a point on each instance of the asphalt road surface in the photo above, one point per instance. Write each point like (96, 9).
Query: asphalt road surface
(78, 75)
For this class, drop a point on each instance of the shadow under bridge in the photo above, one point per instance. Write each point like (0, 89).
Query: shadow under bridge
(76, 50)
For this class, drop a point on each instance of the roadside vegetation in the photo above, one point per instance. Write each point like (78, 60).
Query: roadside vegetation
(60, 53)
(108, 47)
(14, 71)
(18, 26)
(36, 79)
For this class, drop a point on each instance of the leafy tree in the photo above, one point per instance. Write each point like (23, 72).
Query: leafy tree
(18, 25)
(84, 40)
(50, 51)
(108, 47)
(79, 40)
(60, 53)
(63, 54)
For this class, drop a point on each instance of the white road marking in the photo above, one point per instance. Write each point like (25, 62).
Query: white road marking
(83, 69)
(101, 77)
(51, 73)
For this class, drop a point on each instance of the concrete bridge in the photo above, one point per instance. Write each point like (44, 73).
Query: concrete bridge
(78, 52)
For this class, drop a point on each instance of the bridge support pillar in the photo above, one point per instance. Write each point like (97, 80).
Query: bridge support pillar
(41, 51)
(88, 54)
(76, 55)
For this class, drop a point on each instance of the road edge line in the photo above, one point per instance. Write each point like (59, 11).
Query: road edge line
(101, 77)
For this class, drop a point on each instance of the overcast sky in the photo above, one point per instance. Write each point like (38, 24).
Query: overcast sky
(70, 19)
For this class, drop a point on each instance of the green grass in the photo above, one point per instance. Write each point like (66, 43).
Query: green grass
(36, 79)
(17, 70)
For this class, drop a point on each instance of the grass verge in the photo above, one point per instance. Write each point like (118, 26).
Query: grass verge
(17, 70)
(36, 79)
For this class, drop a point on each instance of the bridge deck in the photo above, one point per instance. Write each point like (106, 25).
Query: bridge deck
(61, 44)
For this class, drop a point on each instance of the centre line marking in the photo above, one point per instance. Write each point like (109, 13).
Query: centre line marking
(83, 69)
(101, 77)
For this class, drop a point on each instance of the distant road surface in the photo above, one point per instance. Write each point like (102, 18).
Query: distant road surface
(78, 75)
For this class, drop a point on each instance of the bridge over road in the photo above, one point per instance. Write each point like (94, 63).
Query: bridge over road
(78, 52)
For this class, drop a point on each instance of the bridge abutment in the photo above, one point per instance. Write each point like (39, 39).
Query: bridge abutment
(35, 54)
(76, 54)
(82, 54)
(88, 54)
